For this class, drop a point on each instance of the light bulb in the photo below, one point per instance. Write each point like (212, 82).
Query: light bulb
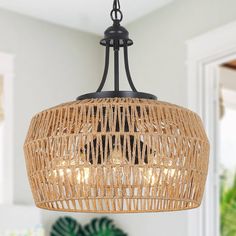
(149, 176)
(83, 175)
(153, 176)
(116, 157)
(169, 172)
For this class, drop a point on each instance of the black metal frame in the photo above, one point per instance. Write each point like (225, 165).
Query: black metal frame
(116, 37)
(115, 94)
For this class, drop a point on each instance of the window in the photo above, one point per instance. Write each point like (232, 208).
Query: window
(6, 128)
(227, 141)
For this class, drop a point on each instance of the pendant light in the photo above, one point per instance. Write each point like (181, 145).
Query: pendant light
(117, 151)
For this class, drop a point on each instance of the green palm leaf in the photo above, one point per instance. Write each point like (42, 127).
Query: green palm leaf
(66, 226)
(102, 227)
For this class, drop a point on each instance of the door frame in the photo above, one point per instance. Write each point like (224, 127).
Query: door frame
(7, 71)
(205, 54)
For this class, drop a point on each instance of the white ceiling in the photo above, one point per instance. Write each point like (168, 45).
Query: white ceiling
(87, 15)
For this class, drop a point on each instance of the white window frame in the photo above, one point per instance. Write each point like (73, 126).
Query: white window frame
(204, 55)
(7, 71)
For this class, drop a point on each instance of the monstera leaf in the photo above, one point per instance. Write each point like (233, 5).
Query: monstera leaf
(102, 227)
(66, 226)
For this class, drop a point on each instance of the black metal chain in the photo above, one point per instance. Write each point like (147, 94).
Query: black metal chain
(116, 14)
(116, 4)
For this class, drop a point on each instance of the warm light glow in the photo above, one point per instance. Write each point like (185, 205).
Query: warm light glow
(149, 177)
(116, 157)
(81, 174)
(169, 173)
(154, 176)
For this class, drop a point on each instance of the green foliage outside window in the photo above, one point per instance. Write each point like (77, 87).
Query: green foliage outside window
(228, 208)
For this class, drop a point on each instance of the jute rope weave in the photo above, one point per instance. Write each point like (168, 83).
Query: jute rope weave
(117, 155)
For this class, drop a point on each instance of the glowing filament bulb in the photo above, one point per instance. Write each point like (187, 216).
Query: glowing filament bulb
(149, 177)
(155, 176)
(83, 175)
(169, 173)
(116, 157)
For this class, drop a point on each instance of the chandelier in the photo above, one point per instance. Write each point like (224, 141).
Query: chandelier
(117, 151)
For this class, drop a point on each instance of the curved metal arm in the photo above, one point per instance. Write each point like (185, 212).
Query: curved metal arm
(105, 69)
(116, 36)
(116, 70)
(126, 60)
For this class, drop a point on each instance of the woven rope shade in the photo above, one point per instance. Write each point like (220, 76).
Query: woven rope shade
(117, 155)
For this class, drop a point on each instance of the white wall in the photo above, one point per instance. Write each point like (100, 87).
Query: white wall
(52, 65)
(159, 53)
(158, 64)
(19, 218)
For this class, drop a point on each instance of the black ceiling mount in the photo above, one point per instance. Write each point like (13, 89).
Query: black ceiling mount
(116, 37)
